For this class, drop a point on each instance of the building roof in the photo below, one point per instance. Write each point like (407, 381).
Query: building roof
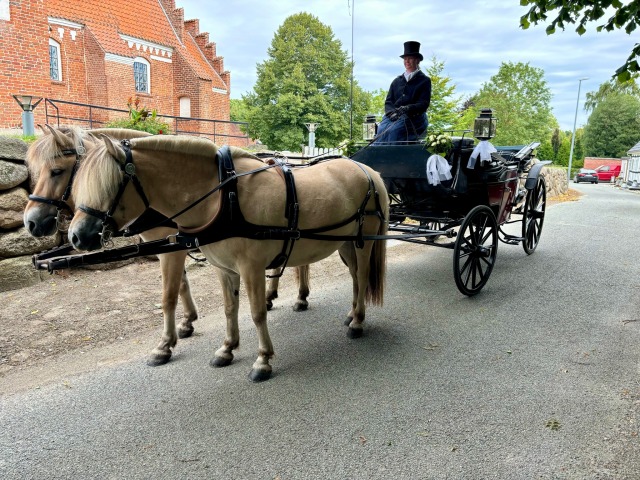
(148, 23)
(635, 150)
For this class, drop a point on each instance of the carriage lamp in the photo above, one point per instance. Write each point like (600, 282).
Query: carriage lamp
(27, 104)
(369, 127)
(484, 126)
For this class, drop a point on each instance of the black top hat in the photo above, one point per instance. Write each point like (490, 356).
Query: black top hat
(412, 48)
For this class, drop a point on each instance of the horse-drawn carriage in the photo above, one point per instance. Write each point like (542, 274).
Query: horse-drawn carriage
(247, 215)
(467, 212)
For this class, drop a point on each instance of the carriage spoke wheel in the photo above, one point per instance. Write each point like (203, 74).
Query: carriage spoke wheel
(533, 216)
(475, 249)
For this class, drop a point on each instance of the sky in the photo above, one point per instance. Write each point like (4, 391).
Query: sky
(472, 37)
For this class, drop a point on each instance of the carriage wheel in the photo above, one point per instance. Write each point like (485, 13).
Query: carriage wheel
(533, 216)
(475, 249)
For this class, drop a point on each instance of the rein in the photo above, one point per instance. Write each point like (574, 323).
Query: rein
(230, 222)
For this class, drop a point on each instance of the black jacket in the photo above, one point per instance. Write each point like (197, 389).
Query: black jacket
(415, 94)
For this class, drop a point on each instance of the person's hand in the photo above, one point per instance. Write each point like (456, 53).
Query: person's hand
(397, 113)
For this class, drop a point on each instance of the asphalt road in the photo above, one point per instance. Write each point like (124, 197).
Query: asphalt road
(536, 377)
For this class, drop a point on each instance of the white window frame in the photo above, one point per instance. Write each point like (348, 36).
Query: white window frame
(145, 62)
(185, 106)
(5, 12)
(53, 43)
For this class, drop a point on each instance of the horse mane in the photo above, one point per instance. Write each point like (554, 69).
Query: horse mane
(101, 175)
(45, 149)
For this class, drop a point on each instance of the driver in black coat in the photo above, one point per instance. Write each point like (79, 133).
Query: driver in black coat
(409, 95)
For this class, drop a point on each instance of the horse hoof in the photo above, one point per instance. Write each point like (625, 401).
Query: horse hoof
(156, 359)
(269, 304)
(185, 332)
(300, 307)
(354, 332)
(257, 375)
(221, 361)
(347, 322)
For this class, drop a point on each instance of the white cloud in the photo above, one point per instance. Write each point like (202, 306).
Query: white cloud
(472, 37)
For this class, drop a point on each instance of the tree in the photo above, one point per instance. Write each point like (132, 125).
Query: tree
(556, 142)
(521, 100)
(625, 15)
(610, 87)
(306, 79)
(612, 128)
(442, 110)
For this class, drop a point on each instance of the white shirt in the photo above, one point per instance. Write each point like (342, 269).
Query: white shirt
(409, 75)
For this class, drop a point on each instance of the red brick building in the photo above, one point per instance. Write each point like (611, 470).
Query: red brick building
(103, 53)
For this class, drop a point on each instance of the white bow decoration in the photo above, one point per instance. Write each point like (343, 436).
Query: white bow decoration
(484, 149)
(438, 169)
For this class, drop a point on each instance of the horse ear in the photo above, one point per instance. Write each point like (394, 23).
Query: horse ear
(112, 147)
(45, 132)
(60, 138)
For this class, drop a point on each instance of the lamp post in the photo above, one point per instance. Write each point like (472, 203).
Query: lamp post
(573, 135)
(312, 135)
(27, 105)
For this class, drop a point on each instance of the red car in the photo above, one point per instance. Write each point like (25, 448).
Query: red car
(606, 172)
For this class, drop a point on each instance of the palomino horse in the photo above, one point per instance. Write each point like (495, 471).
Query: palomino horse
(52, 160)
(337, 204)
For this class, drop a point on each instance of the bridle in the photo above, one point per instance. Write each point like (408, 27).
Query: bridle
(62, 205)
(109, 228)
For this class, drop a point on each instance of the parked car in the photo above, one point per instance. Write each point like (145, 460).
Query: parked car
(605, 172)
(586, 175)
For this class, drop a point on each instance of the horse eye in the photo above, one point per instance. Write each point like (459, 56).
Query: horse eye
(56, 172)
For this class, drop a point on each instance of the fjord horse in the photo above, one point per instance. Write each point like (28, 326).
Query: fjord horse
(180, 177)
(53, 159)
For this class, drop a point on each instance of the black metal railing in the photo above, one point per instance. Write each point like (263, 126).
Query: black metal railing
(88, 116)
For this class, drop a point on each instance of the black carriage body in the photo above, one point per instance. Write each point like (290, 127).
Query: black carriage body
(467, 213)
(404, 170)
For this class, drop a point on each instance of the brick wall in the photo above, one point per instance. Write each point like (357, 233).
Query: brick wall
(24, 61)
(87, 77)
(594, 162)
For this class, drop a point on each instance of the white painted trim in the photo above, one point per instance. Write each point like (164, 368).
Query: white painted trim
(219, 90)
(64, 23)
(112, 57)
(160, 59)
(5, 12)
(145, 45)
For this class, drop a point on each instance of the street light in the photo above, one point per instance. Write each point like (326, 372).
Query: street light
(27, 104)
(573, 136)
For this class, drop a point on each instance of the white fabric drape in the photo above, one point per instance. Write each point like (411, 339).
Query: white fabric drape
(484, 149)
(438, 169)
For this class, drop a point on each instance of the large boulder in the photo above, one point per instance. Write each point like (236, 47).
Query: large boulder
(12, 203)
(18, 272)
(13, 149)
(19, 242)
(12, 174)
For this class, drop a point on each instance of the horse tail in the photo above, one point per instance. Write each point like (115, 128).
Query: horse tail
(378, 258)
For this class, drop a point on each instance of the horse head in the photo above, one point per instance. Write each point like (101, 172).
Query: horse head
(52, 160)
(103, 201)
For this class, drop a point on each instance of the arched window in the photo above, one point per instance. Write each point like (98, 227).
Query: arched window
(55, 65)
(185, 106)
(141, 75)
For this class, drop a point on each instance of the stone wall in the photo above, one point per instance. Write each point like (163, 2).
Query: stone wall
(16, 244)
(556, 179)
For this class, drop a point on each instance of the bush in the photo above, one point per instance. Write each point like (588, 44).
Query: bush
(141, 119)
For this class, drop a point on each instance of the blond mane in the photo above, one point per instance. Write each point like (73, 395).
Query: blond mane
(100, 174)
(45, 149)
